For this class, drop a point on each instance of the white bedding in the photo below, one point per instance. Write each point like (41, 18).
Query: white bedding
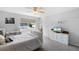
(24, 42)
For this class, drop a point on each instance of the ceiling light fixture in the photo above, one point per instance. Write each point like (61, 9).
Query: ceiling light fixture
(37, 10)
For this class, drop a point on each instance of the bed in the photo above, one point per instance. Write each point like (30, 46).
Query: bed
(26, 41)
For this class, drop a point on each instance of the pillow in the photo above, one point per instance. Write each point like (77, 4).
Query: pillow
(13, 33)
(37, 33)
(2, 40)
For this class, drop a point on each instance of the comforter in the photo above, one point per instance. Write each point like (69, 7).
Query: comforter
(23, 42)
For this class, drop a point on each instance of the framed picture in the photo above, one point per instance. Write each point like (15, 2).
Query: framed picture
(9, 20)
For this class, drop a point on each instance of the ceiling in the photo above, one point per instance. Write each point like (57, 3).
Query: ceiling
(57, 10)
(19, 10)
(28, 10)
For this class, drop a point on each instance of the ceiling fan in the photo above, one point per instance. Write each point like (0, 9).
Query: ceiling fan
(37, 10)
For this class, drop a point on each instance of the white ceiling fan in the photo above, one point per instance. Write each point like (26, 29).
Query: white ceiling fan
(36, 10)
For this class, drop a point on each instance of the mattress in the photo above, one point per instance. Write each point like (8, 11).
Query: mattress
(23, 42)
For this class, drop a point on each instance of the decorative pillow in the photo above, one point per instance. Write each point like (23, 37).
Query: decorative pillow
(13, 33)
(8, 40)
(2, 40)
(37, 33)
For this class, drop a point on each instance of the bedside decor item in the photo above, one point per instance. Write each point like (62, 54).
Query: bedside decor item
(2, 40)
(2, 31)
(57, 30)
(57, 27)
(9, 20)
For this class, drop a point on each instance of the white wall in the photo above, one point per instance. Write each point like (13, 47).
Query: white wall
(70, 22)
(12, 27)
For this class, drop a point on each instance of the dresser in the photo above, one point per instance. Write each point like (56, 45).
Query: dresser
(62, 38)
